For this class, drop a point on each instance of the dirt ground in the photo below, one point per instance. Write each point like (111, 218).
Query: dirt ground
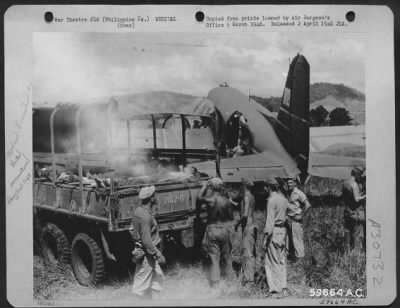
(184, 279)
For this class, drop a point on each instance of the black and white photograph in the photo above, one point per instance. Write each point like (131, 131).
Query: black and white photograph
(221, 161)
(234, 166)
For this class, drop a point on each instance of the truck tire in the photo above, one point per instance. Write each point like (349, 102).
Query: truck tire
(87, 260)
(54, 245)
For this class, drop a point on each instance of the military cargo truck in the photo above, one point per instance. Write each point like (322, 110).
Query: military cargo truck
(90, 161)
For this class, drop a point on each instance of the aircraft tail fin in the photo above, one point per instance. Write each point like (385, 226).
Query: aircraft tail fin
(292, 126)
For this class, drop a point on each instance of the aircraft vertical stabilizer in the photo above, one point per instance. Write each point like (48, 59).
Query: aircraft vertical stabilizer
(292, 125)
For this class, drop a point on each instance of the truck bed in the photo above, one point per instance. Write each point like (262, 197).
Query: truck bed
(176, 202)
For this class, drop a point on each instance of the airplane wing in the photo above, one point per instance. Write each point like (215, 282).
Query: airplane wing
(335, 150)
(332, 166)
(256, 167)
(328, 149)
(329, 139)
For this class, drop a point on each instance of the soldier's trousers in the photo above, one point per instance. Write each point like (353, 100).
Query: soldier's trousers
(249, 252)
(295, 239)
(354, 234)
(275, 260)
(148, 277)
(217, 245)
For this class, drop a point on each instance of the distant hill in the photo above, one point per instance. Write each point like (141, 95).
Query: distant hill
(328, 95)
(340, 92)
(345, 150)
(272, 103)
(332, 96)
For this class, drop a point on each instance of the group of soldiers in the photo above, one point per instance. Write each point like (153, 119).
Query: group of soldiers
(229, 210)
(285, 208)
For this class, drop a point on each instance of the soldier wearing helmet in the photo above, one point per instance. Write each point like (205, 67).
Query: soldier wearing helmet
(217, 241)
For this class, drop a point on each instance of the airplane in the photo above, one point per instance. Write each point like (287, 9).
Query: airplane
(251, 142)
(280, 146)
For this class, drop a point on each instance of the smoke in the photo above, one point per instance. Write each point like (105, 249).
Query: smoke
(127, 143)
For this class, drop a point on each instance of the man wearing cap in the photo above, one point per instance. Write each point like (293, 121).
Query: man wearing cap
(148, 277)
(298, 207)
(217, 241)
(275, 238)
(249, 230)
(354, 213)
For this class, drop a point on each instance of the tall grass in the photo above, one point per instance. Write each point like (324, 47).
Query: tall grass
(323, 187)
(50, 280)
(328, 264)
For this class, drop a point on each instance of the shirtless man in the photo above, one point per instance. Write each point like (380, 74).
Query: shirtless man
(217, 242)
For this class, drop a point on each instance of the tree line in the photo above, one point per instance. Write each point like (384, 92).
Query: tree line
(337, 117)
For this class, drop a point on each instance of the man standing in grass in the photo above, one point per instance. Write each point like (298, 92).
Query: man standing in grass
(298, 207)
(275, 239)
(149, 276)
(354, 212)
(217, 239)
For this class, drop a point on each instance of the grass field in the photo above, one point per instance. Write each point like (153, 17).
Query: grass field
(327, 265)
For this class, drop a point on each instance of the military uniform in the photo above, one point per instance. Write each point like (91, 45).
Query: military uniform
(275, 229)
(354, 215)
(148, 273)
(295, 213)
(217, 246)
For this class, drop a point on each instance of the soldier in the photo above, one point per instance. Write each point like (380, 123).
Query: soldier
(217, 242)
(298, 207)
(275, 239)
(148, 276)
(354, 213)
(249, 231)
(235, 194)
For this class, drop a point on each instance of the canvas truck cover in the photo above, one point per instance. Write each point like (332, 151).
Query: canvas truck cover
(92, 116)
(163, 102)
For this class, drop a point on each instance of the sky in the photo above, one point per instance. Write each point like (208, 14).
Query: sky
(81, 66)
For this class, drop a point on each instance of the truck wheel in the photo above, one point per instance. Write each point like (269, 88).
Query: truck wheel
(54, 245)
(87, 260)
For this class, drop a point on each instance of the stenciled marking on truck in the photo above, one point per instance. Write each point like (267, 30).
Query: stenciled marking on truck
(174, 199)
(173, 202)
